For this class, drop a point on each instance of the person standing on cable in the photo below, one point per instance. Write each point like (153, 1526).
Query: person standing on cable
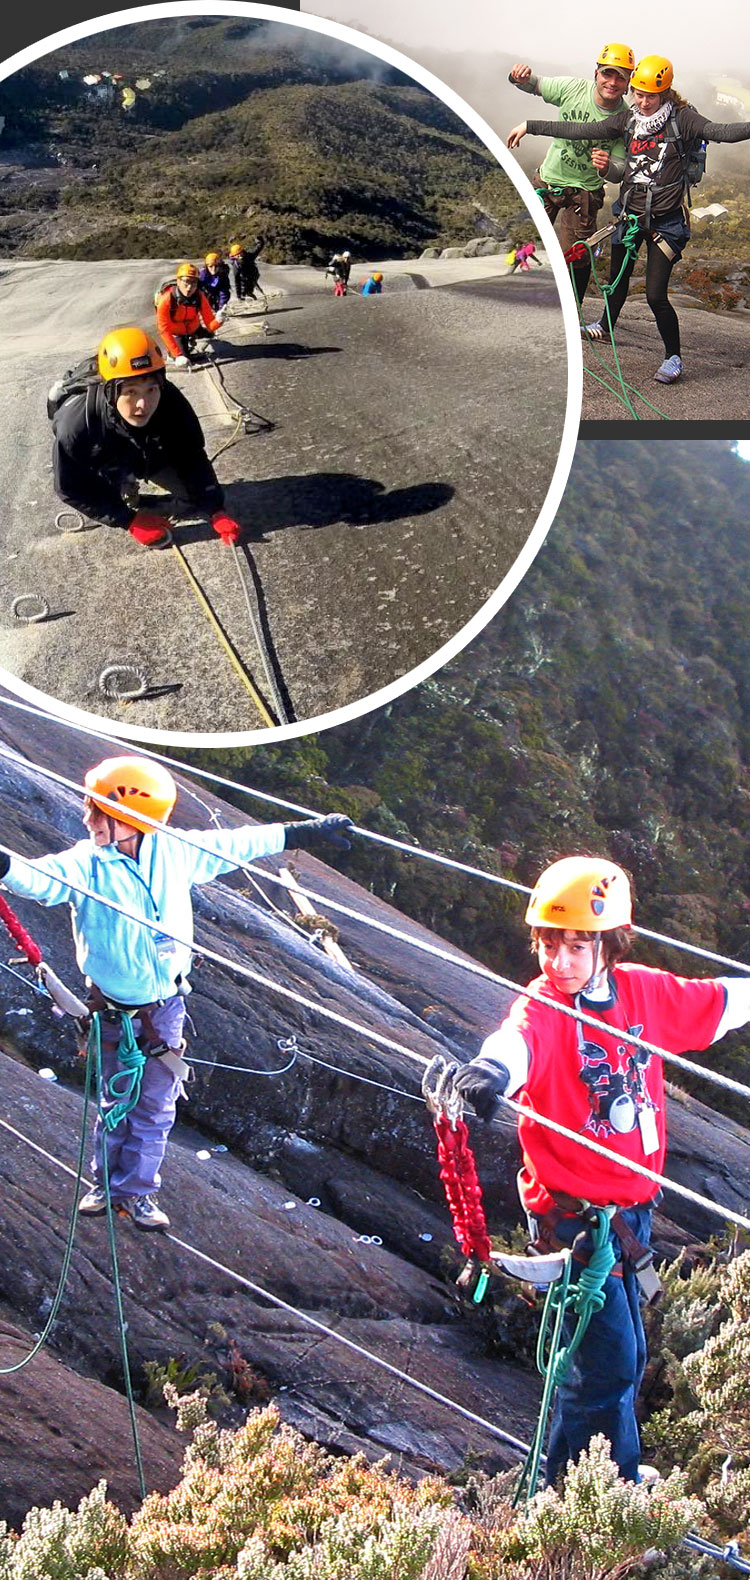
(569, 185)
(183, 311)
(136, 974)
(243, 262)
(117, 419)
(655, 192)
(611, 1091)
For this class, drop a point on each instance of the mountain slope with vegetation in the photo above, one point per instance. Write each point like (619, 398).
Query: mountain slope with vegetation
(244, 127)
(606, 708)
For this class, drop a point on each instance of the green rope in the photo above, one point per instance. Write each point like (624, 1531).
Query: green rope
(631, 251)
(611, 386)
(582, 1299)
(7, 1371)
(126, 1082)
(95, 1039)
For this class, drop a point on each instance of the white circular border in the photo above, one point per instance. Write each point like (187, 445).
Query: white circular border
(393, 57)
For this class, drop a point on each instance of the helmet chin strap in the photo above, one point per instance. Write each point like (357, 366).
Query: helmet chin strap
(596, 968)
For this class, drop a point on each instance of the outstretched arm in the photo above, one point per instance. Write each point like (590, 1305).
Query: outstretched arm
(524, 78)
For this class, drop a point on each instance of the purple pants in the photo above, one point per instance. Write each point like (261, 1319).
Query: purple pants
(136, 1148)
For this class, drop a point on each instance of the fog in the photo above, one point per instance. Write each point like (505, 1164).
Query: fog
(472, 46)
(700, 37)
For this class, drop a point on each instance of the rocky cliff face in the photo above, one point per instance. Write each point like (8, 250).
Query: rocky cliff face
(364, 1153)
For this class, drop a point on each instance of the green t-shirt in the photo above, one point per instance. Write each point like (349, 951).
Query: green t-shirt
(569, 164)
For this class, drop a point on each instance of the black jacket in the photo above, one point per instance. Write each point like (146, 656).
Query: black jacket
(95, 452)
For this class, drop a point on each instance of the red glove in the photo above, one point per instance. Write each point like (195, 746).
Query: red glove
(229, 531)
(576, 253)
(148, 528)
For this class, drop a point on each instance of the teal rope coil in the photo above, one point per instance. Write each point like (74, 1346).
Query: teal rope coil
(125, 1084)
(583, 1299)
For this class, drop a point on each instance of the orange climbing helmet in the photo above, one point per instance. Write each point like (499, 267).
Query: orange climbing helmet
(377, 275)
(187, 271)
(620, 56)
(235, 249)
(212, 258)
(584, 894)
(653, 74)
(138, 785)
(128, 353)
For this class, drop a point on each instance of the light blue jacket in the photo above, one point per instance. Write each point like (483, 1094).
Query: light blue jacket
(130, 963)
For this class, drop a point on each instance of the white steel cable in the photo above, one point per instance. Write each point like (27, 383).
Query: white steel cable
(728, 1554)
(725, 1213)
(365, 833)
(303, 1316)
(727, 1083)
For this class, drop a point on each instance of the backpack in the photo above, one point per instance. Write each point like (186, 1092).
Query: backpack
(692, 153)
(166, 285)
(84, 378)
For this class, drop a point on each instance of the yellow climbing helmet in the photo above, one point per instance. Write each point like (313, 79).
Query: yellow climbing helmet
(585, 894)
(235, 249)
(653, 74)
(138, 785)
(212, 258)
(620, 56)
(187, 271)
(128, 353)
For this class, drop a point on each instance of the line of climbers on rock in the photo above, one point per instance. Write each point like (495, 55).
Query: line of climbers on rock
(655, 148)
(594, 1082)
(117, 421)
(340, 268)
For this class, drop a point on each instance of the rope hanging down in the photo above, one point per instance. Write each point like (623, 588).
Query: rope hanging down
(576, 254)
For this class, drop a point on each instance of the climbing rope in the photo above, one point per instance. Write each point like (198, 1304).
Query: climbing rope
(574, 255)
(582, 1300)
(95, 1048)
(228, 647)
(125, 1084)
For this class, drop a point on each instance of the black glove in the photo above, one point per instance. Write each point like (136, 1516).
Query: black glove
(4, 864)
(483, 1085)
(333, 828)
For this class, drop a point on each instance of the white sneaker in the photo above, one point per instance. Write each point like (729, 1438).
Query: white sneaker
(94, 1202)
(145, 1212)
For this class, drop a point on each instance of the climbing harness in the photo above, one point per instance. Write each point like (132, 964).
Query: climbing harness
(614, 382)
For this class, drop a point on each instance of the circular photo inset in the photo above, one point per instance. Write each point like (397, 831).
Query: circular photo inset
(291, 395)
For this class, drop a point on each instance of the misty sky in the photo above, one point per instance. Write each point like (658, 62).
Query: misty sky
(696, 35)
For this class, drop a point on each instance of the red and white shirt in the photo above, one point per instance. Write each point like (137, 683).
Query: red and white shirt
(598, 1085)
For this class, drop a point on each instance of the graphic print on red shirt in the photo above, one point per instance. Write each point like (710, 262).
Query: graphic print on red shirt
(600, 1086)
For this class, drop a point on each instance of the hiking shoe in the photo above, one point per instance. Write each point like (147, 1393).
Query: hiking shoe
(145, 1212)
(648, 1475)
(669, 372)
(94, 1202)
(597, 331)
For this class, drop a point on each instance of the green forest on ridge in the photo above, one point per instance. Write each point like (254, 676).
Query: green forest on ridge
(606, 708)
(244, 127)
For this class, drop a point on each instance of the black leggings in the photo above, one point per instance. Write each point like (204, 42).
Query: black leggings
(658, 270)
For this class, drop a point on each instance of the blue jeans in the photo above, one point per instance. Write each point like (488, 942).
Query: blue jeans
(601, 1387)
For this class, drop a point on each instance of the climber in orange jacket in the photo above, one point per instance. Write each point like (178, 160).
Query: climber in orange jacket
(182, 311)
